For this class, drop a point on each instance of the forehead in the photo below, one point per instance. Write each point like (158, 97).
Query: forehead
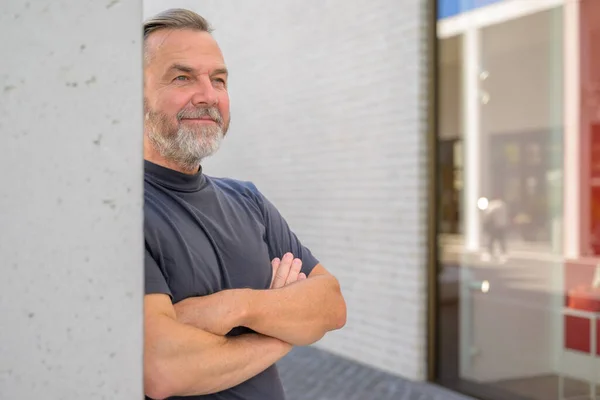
(195, 48)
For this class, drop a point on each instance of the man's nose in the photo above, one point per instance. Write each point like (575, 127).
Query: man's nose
(205, 93)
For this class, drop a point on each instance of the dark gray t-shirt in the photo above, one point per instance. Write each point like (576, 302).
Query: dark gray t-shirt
(208, 234)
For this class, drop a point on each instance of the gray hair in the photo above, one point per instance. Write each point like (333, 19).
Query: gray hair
(174, 18)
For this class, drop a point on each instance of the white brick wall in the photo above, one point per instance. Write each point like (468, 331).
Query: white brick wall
(328, 121)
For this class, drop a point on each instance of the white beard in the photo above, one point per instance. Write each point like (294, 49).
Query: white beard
(188, 145)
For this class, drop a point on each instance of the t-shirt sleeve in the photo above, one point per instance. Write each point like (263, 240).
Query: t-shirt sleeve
(155, 281)
(280, 238)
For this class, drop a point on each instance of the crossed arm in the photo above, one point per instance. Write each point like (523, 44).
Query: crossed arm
(299, 312)
(180, 360)
(186, 352)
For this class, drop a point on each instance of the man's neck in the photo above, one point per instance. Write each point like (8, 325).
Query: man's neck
(150, 154)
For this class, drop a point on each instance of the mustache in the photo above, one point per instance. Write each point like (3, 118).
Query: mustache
(201, 112)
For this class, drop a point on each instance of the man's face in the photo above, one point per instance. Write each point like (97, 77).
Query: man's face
(186, 103)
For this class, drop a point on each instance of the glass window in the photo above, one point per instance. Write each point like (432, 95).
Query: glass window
(519, 218)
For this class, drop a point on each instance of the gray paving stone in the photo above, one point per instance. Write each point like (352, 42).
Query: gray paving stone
(309, 373)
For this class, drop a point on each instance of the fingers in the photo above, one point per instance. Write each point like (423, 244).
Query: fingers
(294, 271)
(286, 271)
(283, 271)
(275, 264)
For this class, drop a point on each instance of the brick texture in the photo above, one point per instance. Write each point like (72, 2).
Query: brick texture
(328, 121)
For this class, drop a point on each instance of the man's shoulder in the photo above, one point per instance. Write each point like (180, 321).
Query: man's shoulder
(236, 187)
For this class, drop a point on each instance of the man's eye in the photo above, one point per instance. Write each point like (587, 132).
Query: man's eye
(181, 78)
(220, 81)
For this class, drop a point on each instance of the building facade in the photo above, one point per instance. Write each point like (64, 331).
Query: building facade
(407, 167)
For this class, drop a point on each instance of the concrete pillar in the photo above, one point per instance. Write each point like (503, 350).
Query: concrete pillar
(71, 242)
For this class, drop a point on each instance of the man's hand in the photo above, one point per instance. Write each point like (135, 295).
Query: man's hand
(286, 271)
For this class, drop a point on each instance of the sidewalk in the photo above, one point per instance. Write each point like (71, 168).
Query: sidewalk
(514, 244)
(309, 373)
(452, 251)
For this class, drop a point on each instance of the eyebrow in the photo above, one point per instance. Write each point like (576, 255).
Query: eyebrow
(190, 70)
(220, 71)
(182, 68)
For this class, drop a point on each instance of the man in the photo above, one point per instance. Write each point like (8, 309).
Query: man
(496, 226)
(229, 288)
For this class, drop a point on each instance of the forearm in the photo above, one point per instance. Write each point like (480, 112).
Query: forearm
(181, 360)
(300, 313)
